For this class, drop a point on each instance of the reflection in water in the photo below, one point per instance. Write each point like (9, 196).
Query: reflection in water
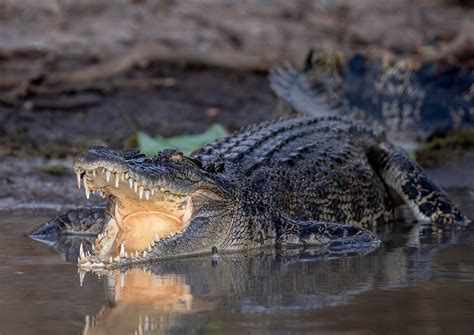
(419, 281)
(171, 295)
(140, 301)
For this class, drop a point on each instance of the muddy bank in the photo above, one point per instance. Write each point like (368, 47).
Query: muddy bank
(159, 98)
(60, 43)
(43, 130)
(71, 39)
(76, 74)
(94, 72)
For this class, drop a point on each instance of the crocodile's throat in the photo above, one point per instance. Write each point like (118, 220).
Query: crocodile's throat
(142, 215)
(142, 223)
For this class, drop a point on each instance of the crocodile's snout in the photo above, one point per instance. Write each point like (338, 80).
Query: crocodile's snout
(97, 157)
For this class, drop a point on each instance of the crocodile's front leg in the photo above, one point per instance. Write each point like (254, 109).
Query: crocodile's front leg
(85, 221)
(333, 236)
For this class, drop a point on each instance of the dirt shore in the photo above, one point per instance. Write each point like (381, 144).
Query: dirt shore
(76, 73)
(79, 73)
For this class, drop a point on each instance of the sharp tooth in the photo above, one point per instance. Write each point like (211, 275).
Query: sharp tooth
(144, 253)
(122, 250)
(93, 173)
(111, 260)
(78, 174)
(149, 248)
(147, 195)
(126, 254)
(136, 254)
(86, 188)
(117, 179)
(130, 181)
(122, 176)
(162, 189)
(153, 190)
(81, 252)
(82, 275)
(117, 258)
(108, 175)
(140, 192)
(135, 186)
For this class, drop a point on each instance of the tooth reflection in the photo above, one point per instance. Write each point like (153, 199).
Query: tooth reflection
(140, 301)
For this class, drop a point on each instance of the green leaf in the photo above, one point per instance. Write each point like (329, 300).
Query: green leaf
(185, 143)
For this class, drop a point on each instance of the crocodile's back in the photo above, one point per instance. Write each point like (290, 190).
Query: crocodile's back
(312, 168)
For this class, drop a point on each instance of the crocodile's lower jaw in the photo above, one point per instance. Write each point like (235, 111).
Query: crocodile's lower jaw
(136, 225)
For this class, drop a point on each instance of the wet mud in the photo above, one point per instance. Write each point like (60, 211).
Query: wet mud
(76, 74)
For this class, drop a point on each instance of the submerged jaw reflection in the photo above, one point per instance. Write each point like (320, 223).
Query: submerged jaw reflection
(140, 302)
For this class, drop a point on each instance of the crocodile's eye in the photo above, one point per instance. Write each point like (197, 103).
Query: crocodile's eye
(176, 156)
(167, 155)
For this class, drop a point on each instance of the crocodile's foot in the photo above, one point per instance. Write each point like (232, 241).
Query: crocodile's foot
(87, 222)
(332, 237)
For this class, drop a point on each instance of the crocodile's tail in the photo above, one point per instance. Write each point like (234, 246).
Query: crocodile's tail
(313, 89)
(411, 102)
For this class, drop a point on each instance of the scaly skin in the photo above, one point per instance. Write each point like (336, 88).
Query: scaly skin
(313, 179)
(300, 181)
(412, 103)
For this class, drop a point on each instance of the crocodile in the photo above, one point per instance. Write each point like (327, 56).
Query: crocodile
(413, 103)
(323, 181)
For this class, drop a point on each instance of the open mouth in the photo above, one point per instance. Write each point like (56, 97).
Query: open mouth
(141, 215)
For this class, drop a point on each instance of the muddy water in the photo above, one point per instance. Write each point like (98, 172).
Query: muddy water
(417, 282)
